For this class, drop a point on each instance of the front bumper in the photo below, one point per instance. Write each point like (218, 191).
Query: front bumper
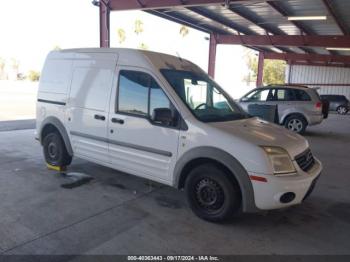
(268, 194)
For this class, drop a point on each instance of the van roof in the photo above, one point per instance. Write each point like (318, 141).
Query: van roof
(105, 50)
(132, 57)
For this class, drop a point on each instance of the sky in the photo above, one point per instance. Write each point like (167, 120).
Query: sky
(29, 29)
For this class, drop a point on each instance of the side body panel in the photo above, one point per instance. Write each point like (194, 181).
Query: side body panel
(136, 145)
(53, 88)
(87, 108)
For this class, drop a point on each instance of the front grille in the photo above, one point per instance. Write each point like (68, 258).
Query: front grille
(305, 160)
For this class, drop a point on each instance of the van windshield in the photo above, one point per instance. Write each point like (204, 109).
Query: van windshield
(206, 100)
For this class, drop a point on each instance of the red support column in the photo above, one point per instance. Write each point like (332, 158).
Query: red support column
(260, 75)
(104, 24)
(212, 55)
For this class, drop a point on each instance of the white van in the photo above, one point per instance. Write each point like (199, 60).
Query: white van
(163, 118)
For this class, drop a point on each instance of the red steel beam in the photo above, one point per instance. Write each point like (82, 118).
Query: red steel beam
(212, 55)
(260, 75)
(104, 24)
(337, 41)
(340, 23)
(308, 57)
(120, 5)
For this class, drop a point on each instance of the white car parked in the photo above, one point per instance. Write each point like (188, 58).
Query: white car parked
(162, 118)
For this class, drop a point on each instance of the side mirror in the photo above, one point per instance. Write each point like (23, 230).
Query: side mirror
(162, 116)
(244, 99)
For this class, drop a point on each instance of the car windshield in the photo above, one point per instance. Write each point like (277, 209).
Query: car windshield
(206, 100)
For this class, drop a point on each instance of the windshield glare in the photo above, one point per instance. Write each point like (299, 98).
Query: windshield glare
(207, 101)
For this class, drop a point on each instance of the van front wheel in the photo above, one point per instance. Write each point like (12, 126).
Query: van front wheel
(211, 194)
(55, 151)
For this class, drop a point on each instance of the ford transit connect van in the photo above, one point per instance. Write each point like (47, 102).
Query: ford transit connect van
(162, 118)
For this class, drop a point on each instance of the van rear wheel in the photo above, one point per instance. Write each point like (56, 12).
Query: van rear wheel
(211, 195)
(55, 151)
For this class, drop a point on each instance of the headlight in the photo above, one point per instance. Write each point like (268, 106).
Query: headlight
(280, 160)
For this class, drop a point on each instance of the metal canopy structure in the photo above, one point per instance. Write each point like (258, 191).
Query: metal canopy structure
(265, 26)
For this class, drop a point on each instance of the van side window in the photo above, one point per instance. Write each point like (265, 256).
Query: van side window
(139, 94)
(133, 92)
(157, 98)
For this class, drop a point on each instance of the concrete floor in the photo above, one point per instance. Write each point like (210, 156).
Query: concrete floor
(120, 214)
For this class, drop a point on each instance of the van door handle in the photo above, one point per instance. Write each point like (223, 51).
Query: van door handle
(100, 117)
(117, 120)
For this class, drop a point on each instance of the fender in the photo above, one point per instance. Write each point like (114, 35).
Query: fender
(237, 170)
(294, 113)
(60, 127)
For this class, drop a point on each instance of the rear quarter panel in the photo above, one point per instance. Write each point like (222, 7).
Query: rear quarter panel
(53, 87)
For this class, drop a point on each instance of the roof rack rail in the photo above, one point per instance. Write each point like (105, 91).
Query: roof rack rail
(304, 86)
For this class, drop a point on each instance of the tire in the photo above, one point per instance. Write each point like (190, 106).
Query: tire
(211, 195)
(296, 123)
(55, 151)
(342, 110)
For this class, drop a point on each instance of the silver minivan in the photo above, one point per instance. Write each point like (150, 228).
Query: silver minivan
(297, 106)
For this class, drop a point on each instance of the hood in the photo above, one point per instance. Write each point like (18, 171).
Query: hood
(262, 133)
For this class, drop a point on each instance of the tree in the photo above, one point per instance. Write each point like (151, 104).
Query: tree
(33, 75)
(2, 68)
(138, 26)
(184, 31)
(121, 35)
(143, 46)
(274, 70)
(56, 48)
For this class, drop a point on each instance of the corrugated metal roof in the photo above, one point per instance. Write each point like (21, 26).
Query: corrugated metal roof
(342, 7)
(313, 8)
(267, 16)
(262, 17)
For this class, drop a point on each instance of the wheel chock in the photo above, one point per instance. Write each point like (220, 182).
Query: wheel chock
(56, 168)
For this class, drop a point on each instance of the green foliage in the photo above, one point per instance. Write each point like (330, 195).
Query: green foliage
(143, 46)
(184, 31)
(274, 70)
(33, 75)
(138, 26)
(121, 35)
(57, 48)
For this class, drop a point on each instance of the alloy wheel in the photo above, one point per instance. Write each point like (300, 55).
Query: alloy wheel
(342, 110)
(295, 125)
